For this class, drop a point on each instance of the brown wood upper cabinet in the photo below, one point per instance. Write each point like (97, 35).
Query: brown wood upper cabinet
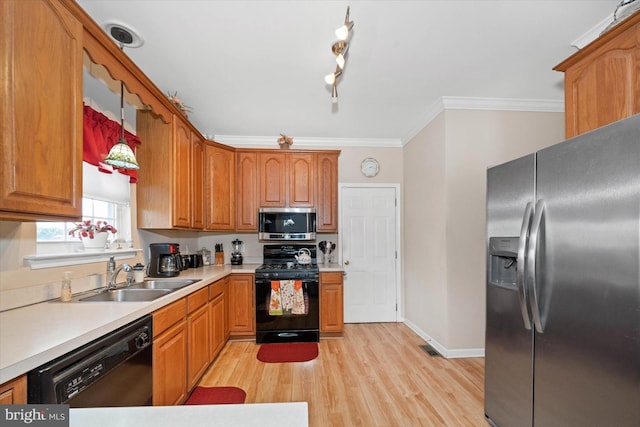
(197, 181)
(181, 188)
(40, 112)
(327, 198)
(301, 172)
(220, 196)
(286, 179)
(602, 80)
(274, 178)
(170, 185)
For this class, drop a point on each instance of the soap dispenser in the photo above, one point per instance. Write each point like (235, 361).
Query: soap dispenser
(111, 267)
(65, 291)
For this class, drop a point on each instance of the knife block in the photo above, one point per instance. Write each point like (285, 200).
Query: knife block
(219, 258)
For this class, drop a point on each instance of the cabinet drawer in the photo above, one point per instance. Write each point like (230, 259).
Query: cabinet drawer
(334, 277)
(197, 300)
(216, 288)
(169, 315)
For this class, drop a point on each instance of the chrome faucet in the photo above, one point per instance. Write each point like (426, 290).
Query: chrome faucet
(112, 285)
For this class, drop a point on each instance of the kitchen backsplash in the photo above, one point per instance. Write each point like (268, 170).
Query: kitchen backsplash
(20, 285)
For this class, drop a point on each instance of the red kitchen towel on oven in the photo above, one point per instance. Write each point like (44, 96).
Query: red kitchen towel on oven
(275, 301)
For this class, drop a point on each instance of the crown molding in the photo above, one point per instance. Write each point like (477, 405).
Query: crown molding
(240, 141)
(621, 13)
(489, 104)
(503, 104)
(443, 103)
(592, 33)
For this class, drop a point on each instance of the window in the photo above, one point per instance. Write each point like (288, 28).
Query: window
(116, 214)
(105, 198)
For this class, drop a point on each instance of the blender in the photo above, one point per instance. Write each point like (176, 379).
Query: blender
(236, 255)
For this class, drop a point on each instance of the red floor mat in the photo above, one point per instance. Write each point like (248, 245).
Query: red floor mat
(216, 395)
(288, 352)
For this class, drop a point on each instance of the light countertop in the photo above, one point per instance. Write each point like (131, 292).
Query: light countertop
(294, 414)
(330, 267)
(38, 333)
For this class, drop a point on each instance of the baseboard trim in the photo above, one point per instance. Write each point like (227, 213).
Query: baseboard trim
(445, 352)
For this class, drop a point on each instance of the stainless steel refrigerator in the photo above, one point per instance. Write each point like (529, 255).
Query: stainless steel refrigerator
(563, 284)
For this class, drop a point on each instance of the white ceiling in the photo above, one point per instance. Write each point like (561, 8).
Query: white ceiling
(255, 68)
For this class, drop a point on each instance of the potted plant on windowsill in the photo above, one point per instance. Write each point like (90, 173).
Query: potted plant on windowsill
(93, 236)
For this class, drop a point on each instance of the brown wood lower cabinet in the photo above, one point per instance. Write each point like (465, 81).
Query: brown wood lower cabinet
(198, 338)
(331, 303)
(14, 392)
(242, 305)
(217, 317)
(170, 354)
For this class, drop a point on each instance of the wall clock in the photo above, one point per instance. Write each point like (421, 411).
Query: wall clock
(370, 167)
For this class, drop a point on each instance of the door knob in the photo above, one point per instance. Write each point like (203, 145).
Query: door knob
(346, 262)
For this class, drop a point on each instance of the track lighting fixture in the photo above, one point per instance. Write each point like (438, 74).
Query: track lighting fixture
(340, 49)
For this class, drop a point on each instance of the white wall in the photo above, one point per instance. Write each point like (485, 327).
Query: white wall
(389, 158)
(444, 174)
(425, 211)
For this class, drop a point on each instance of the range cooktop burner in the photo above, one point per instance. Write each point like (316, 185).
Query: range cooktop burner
(288, 266)
(281, 261)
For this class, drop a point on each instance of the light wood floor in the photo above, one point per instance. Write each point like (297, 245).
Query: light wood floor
(377, 375)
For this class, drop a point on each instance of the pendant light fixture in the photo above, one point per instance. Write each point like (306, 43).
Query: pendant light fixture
(121, 155)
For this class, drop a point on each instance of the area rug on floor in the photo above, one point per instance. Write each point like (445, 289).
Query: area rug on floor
(288, 352)
(216, 396)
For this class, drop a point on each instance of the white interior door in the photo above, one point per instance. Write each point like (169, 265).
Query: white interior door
(368, 236)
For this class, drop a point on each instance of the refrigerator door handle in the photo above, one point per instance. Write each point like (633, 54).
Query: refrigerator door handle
(531, 264)
(520, 266)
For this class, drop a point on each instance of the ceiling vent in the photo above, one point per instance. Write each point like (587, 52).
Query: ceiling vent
(123, 34)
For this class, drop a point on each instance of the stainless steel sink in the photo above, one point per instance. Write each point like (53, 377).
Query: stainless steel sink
(127, 295)
(170, 284)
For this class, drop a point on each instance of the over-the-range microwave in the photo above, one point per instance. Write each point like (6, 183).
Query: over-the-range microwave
(287, 224)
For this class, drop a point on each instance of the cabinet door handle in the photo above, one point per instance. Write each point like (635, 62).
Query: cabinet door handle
(346, 262)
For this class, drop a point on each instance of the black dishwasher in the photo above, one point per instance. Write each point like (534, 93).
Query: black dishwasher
(113, 370)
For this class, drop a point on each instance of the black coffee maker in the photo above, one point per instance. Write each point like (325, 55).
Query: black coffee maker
(164, 260)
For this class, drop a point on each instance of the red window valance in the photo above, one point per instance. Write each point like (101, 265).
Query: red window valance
(100, 134)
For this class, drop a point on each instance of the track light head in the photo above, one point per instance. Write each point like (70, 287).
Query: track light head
(339, 49)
